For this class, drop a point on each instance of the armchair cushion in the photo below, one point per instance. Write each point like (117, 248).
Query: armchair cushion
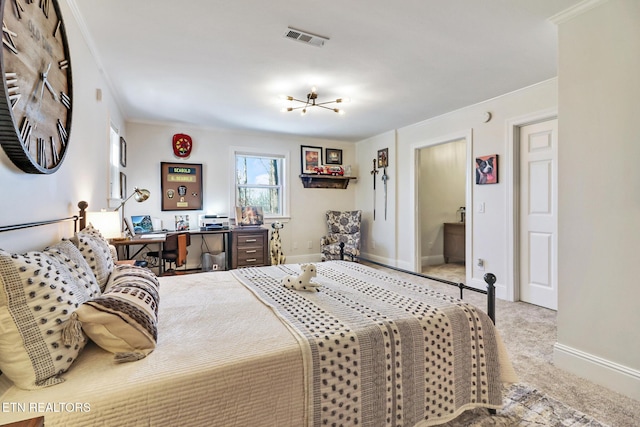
(343, 227)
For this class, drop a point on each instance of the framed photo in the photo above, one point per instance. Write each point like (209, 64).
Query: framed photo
(311, 157)
(487, 169)
(248, 216)
(123, 152)
(383, 158)
(333, 156)
(181, 186)
(123, 186)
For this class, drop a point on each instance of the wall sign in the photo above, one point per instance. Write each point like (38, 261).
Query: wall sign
(182, 145)
(181, 186)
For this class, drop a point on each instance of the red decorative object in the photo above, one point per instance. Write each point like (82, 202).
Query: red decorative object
(182, 145)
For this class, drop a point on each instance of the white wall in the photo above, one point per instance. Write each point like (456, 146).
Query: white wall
(379, 236)
(488, 230)
(148, 144)
(599, 196)
(82, 176)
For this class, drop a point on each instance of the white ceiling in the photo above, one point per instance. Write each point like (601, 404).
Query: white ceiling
(222, 64)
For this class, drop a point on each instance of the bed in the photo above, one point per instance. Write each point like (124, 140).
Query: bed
(237, 348)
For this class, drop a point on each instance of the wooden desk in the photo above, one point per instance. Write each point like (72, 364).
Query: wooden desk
(145, 241)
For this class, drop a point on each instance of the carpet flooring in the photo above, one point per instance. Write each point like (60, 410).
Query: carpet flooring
(527, 407)
(529, 333)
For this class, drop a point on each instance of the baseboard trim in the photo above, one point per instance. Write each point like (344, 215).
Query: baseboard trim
(501, 288)
(432, 260)
(601, 371)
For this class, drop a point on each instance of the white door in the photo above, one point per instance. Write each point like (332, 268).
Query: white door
(538, 214)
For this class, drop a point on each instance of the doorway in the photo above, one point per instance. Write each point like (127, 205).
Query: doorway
(441, 202)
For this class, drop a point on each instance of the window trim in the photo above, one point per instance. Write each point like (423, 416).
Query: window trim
(286, 182)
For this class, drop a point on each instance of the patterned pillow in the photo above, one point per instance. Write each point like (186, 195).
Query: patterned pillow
(71, 257)
(124, 319)
(38, 295)
(95, 250)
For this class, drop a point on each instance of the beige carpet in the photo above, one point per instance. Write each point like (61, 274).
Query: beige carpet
(529, 333)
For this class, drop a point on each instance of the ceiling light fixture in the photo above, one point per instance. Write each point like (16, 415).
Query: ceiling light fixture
(311, 102)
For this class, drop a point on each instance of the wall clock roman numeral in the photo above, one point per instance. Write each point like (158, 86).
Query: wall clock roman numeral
(25, 131)
(12, 88)
(42, 155)
(44, 5)
(56, 156)
(7, 38)
(64, 64)
(66, 101)
(18, 8)
(63, 133)
(55, 30)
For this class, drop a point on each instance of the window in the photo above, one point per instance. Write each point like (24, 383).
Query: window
(260, 181)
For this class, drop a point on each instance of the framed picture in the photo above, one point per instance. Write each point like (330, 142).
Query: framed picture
(123, 186)
(383, 158)
(311, 157)
(248, 216)
(333, 156)
(487, 169)
(123, 152)
(181, 186)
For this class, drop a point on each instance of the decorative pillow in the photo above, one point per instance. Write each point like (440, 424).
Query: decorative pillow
(95, 250)
(38, 295)
(124, 319)
(71, 257)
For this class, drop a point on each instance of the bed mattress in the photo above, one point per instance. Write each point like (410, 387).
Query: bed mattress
(222, 359)
(227, 355)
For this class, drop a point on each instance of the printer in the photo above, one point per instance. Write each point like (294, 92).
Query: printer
(213, 222)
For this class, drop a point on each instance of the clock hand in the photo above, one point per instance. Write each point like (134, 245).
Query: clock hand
(46, 83)
(53, 92)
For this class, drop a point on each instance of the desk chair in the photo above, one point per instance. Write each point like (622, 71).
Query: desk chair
(174, 250)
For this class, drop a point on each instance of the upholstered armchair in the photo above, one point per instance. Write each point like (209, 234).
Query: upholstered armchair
(343, 227)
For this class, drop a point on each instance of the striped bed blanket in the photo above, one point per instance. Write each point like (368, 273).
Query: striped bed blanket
(381, 350)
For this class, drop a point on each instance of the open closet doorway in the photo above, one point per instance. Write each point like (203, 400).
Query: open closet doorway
(442, 199)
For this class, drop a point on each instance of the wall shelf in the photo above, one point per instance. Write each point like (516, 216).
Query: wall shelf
(325, 181)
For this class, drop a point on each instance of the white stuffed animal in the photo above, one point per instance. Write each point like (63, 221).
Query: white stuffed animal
(302, 282)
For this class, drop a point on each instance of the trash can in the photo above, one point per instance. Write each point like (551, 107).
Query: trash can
(207, 261)
(220, 261)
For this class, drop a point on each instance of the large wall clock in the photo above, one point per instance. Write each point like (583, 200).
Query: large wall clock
(36, 98)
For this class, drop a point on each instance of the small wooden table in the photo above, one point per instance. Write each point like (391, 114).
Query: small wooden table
(454, 241)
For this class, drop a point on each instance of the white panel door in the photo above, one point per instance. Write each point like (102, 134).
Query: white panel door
(538, 214)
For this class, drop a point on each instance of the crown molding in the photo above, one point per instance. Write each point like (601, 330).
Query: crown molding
(576, 10)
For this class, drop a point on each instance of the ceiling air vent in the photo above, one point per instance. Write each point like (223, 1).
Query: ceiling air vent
(305, 37)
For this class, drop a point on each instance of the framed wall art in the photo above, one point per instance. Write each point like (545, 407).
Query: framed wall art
(333, 156)
(311, 158)
(487, 169)
(123, 186)
(383, 158)
(181, 186)
(123, 152)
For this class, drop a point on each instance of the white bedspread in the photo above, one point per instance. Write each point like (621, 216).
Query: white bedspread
(223, 358)
(210, 368)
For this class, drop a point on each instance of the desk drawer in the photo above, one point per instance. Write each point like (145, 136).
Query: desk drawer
(250, 257)
(250, 240)
(250, 247)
